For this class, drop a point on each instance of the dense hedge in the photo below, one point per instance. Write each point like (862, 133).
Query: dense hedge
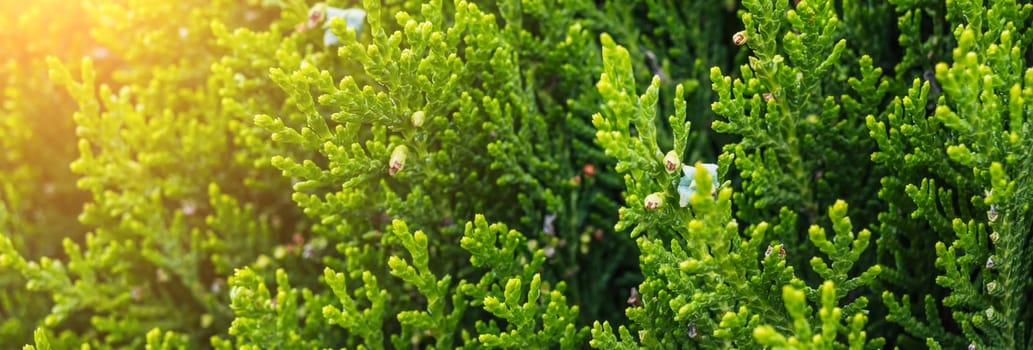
(516, 174)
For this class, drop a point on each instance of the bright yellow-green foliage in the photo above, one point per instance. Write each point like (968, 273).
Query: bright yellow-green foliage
(292, 174)
(38, 198)
(157, 156)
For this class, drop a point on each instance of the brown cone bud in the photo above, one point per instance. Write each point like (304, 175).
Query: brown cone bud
(672, 162)
(398, 159)
(739, 38)
(654, 200)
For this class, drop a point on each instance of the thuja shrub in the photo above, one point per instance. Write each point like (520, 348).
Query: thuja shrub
(529, 174)
(708, 282)
(162, 156)
(429, 119)
(38, 197)
(960, 170)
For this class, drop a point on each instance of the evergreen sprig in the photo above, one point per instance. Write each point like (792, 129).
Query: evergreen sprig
(978, 191)
(707, 283)
(435, 114)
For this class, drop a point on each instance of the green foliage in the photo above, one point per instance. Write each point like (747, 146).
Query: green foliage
(38, 198)
(164, 230)
(806, 337)
(790, 99)
(800, 106)
(969, 181)
(706, 282)
(440, 117)
(679, 42)
(508, 270)
(260, 318)
(494, 174)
